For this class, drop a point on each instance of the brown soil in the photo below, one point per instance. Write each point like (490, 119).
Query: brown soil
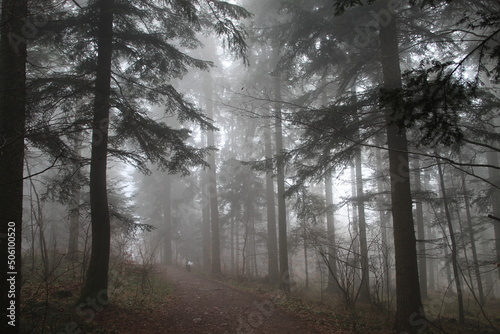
(201, 305)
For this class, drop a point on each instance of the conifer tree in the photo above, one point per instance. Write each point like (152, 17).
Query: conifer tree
(121, 54)
(14, 17)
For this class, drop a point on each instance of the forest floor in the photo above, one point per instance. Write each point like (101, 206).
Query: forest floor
(202, 305)
(163, 300)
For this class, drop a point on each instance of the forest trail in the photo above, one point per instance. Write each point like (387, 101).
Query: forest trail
(201, 305)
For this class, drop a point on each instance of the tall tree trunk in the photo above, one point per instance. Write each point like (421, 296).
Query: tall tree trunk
(330, 219)
(205, 216)
(280, 168)
(96, 283)
(330, 228)
(167, 221)
(494, 175)
(364, 293)
(40, 221)
(306, 265)
(212, 183)
(431, 235)
(355, 226)
(472, 238)
(272, 238)
(12, 129)
(422, 257)
(233, 265)
(383, 217)
(74, 215)
(409, 312)
(454, 251)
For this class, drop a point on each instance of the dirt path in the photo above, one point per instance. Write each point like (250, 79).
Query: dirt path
(200, 305)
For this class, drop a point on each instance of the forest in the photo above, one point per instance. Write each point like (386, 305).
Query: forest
(250, 166)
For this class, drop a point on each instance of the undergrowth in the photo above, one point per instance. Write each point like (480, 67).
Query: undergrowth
(48, 302)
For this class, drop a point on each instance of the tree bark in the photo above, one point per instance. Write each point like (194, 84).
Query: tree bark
(272, 239)
(454, 251)
(422, 257)
(280, 168)
(409, 311)
(96, 283)
(74, 215)
(212, 183)
(384, 218)
(364, 293)
(167, 221)
(205, 216)
(494, 176)
(12, 130)
(330, 228)
(470, 230)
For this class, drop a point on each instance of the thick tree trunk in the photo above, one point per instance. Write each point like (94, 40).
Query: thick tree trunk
(12, 128)
(280, 168)
(212, 183)
(167, 221)
(454, 251)
(96, 284)
(409, 310)
(272, 238)
(422, 257)
(494, 176)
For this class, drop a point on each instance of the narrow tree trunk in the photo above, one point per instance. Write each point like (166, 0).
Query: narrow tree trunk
(12, 130)
(214, 206)
(272, 239)
(330, 228)
(233, 266)
(364, 293)
(96, 284)
(355, 244)
(39, 219)
(431, 235)
(280, 168)
(384, 218)
(462, 237)
(454, 252)
(167, 221)
(306, 265)
(74, 220)
(470, 230)
(422, 257)
(205, 216)
(409, 312)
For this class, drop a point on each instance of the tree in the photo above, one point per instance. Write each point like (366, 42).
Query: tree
(453, 246)
(409, 305)
(280, 171)
(422, 261)
(272, 240)
(167, 220)
(212, 184)
(96, 283)
(159, 143)
(13, 57)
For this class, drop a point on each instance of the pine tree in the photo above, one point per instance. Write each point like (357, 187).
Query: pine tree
(14, 18)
